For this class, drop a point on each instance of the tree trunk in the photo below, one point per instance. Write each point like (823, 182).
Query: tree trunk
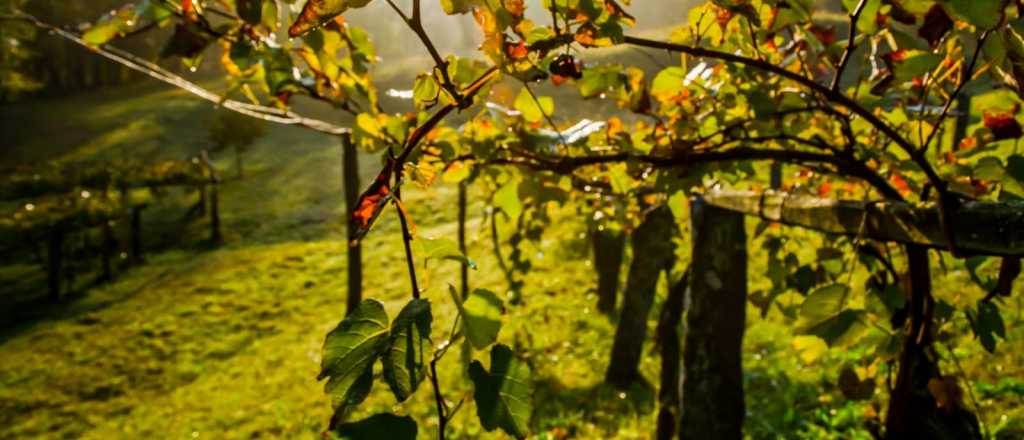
(608, 251)
(653, 252)
(668, 339)
(350, 178)
(913, 411)
(712, 384)
(55, 260)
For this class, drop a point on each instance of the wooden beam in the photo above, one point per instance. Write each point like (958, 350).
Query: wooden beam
(984, 228)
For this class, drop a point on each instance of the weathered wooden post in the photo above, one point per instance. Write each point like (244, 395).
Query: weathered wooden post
(136, 234)
(350, 181)
(668, 340)
(609, 247)
(107, 250)
(654, 251)
(712, 382)
(215, 233)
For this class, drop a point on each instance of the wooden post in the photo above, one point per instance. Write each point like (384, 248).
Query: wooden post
(668, 340)
(201, 203)
(107, 251)
(653, 252)
(54, 260)
(350, 181)
(712, 384)
(608, 252)
(136, 234)
(215, 234)
(462, 238)
(775, 175)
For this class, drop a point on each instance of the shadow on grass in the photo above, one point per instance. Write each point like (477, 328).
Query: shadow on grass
(566, 408)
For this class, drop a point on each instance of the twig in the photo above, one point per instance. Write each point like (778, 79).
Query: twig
(415, 23)
(963, 81)
(153, 70)
(850, 45)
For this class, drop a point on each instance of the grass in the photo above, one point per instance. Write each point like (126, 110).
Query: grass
(225, 343)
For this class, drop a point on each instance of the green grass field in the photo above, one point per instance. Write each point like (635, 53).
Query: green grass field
(225, 343)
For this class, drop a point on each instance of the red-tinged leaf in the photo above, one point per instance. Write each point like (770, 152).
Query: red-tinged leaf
(936, 24)
(515, 7)
(283, 98)
(190, 10)
(1003, 125)
(516, 51)
(824, 189)
(881, 19)
(723, 16)
(825, 34)
(615, 10)
(370, 204)
(316, 13)
(900, 183)
(895, 56)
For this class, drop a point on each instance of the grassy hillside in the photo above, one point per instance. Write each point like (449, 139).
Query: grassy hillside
(225, 343)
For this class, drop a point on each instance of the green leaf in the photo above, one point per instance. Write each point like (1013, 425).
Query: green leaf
(668, 83)
(425, 90)
(250, 10)
(507, 199)
(110, 26)
(841, 329)
(481, 316)
(988, 323)
(406, 359)
(983, 14)
(534, 110)
(452, 7)
(502, 395)
(350, 350)
(823, 303)
(867, 23)
(379, 426)
(442, 249)
(316, 13)
(916, 64)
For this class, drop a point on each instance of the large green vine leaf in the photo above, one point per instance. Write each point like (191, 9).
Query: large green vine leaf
(502, 395)
(405, 361)
(350, 350)
(481, 316)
